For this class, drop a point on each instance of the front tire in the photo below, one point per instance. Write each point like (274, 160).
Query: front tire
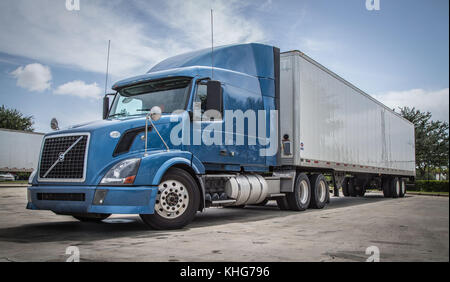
(176, 203)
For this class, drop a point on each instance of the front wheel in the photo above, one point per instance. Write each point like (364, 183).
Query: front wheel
(176, 203)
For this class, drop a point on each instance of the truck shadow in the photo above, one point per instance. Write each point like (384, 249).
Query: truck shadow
(132, 226)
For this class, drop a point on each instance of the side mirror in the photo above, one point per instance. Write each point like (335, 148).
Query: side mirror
(106, 105)
(214, 94)
(54, 124)
(155, 113)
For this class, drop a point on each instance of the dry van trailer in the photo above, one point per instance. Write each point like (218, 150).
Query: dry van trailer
(328, 125)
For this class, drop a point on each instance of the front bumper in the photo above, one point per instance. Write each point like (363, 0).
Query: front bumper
(118, 200)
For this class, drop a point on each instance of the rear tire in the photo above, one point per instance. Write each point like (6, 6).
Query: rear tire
(362, 191)
(386, 186)
(91, 217)
(301, 197)
(402, 188)
(345, 187)
(320, 192)
(177, 201)
(351, 188)
(395, 187)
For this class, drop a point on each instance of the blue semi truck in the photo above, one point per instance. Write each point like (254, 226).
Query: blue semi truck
(238, 125)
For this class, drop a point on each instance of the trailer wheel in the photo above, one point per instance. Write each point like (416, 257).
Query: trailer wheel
(91, 217)
(402, 188)
(362, 191)
(320, 193)
(395, 187)
(301, 197)
(345, 187)
(386, 186)
(177, 201)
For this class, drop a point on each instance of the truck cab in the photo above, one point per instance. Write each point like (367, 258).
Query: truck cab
(123, 163)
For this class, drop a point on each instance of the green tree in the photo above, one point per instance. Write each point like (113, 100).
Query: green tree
(13, 119)
(432, 140)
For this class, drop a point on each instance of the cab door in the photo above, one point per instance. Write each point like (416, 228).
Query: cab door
(208, 131)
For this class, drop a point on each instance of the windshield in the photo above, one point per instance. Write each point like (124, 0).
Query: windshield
(169, 94)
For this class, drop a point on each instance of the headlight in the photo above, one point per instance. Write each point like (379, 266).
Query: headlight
(122, 173)
(32, 175)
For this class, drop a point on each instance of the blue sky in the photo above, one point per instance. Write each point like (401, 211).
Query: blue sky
(52, 61)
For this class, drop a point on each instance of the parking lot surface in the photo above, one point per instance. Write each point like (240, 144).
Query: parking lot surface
(414, 228)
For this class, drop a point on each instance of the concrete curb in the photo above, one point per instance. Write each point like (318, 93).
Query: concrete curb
(424, 194)
(13, 185)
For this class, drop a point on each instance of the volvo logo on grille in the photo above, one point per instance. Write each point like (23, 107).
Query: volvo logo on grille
(61, 156)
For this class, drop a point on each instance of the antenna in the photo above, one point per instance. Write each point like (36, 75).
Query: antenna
(107, 67)
(212, 45)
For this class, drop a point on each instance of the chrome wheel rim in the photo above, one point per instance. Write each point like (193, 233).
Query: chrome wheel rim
(172, 199)
(403, 187)
(322, 191)
(397, 187)
(304, 192)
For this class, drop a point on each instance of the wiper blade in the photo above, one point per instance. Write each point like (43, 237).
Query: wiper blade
(119, 114)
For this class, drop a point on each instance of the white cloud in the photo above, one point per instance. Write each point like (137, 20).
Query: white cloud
(50, 33)
(80, 89)
(34, 77)
(437, 102)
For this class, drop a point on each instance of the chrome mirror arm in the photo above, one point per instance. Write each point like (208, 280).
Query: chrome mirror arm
(147, 119)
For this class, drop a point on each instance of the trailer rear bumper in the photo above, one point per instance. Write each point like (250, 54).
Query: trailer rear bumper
(93, 199)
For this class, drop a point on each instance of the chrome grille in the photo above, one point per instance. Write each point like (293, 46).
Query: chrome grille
(63, 158)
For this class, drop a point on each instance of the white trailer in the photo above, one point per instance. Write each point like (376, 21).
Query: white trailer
(328, 124)
(19, 150)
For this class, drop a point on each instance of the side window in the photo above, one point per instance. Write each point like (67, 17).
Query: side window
(201, 97)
